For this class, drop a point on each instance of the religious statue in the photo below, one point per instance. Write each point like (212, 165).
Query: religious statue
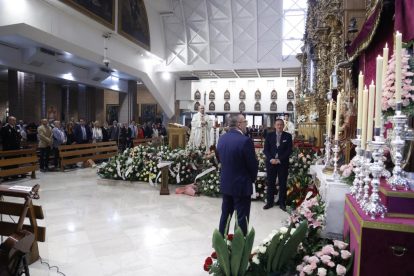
(212, 95)
(242, 106)
(273, 95)
(197, 95)
(289, 106)
(212, 106)
(257, 106)
(51, 113)
(290, 94)
(201, 126)
(258, 95)
(242, 95)
(196, 105)
(226, 106)
(227, 95)
(273, 106)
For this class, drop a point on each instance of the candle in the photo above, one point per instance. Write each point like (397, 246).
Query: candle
(360, 98)
(385, 62)
(364, 118)
(378, 94)
(330, 118)
(370, 111)
(398, 46)
(327, 119)
(338, 114)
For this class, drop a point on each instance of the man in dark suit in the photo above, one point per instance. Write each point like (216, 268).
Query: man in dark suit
(105, 132)
(114, 132)
(238, 172)
(277, 148)
(148, 130)
(10, 135)
(126, 134)
(82, 133)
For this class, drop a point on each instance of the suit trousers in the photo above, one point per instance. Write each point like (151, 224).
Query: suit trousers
(56, 157)
(281, 173)
(44, 158)
(240, 204)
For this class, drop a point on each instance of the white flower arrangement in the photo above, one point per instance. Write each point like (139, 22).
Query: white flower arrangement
(314, 117)
(301, 119)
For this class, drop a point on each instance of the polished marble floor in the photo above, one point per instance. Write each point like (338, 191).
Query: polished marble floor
(104, 227)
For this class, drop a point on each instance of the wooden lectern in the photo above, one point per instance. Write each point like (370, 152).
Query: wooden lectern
(177, 136)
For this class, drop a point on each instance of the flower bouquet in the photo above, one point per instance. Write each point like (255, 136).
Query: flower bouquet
(348, 174)
(313, 117)
(301, 119)
(300, 187)
(301, 160)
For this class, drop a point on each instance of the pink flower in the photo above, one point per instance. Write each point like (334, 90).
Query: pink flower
(340, 270)
(321, 271)
(319, 254)
(313, 259)
(340, 244)
(308, 269)
(346, 173)
(305, 259)
(325, 259)
(328, 249)
(299, 267)
(331, 264)
(345, 254)
(313, 266)
(335, 253)
(316, 224)
(301, 274)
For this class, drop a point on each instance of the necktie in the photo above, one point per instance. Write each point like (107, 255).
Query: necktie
(61, 134)
(83, 133)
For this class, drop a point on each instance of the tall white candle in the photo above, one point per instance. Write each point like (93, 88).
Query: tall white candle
(370, 111)
(338, 115)
(378, 94)
(364, 118)
(327, 119)
(385, 62)
(398, 47)
(360, 98)
(330, 118)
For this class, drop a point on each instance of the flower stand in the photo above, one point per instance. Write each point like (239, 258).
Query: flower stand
(384, 246)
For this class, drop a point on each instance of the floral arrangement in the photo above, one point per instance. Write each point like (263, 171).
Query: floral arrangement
(348, 174)
(300, 160)
(333, 259)
(210, 184)
(299, 187)
(301, 119)
(313, 117)
(407, 89)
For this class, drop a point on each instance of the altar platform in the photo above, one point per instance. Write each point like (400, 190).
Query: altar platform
(333, 194)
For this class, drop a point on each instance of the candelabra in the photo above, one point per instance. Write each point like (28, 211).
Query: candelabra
(374, 207)
(336, 149)
(398, 179)
(356, 163)
(366, 164)
(327, 149)
(360, 176)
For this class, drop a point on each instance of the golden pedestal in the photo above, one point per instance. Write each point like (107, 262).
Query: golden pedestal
(313, 130)
(177, 136)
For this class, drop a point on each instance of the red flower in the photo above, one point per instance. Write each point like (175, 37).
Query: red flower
(214, 255)
(252, 255)
(196, 153)
(206, 267)
(209, 261)
(230, 237)
(188, 168)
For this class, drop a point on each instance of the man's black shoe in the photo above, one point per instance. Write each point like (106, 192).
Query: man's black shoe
(42, 170)
(283, 208)
(267, 206)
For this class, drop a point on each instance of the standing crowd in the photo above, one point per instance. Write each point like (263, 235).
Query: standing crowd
(51, 134)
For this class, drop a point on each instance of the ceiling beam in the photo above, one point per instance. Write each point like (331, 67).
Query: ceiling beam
(258, 74)
(214, 74)
(236, 74)
(185, 29)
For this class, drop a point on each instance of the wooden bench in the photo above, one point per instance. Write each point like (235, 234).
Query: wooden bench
(73, 154)
(15, 209)
(18, 157)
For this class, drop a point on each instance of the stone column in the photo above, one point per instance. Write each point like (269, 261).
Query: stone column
(128, 103)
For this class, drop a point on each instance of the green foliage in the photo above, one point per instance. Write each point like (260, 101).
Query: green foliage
(237, 247)
(248, 245)
(293, 243)
(223, 255)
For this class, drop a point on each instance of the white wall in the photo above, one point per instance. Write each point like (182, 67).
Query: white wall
(280, 84)
(55, 24)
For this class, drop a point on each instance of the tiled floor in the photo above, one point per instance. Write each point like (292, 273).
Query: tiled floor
(103, 227)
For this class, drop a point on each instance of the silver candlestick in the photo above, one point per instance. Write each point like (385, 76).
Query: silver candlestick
(360, 192)
(398, 179)
(336, 149)
(327, 149)
(367, 179)
(356, 163)
(374, 207)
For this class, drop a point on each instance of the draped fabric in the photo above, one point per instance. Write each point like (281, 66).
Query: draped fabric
(404, 19)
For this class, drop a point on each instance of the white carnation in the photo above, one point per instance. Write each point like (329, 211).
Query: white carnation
(262, 249)
(283, 230)
(255, 259)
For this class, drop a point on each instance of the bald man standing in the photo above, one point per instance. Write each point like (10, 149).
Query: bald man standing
(10, 135)
(200, 129)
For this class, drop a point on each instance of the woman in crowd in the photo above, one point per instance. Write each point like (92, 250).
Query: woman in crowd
(97, 133)
(155, 131)
(126, 135)
(140, 132)
(70, 134)
(90, 125)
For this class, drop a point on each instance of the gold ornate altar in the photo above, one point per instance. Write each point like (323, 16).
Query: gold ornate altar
(177, 136)
(313, 130)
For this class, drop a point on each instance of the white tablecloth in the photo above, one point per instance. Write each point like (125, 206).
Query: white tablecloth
(333, 194)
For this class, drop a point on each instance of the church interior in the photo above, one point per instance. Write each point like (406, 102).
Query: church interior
(198, 137)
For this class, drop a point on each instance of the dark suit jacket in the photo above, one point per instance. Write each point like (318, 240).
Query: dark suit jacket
(148, 132)
(284, 150)
(10, 137)
(79, 135)
(126, 134)
(238, 164)
(105, 134)
(113, 134)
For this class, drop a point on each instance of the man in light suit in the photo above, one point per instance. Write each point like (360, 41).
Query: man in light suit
(238, 172)
(134, 131)
(59, 138)
(277, 148)
(114, 132)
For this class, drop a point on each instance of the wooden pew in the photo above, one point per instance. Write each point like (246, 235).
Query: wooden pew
(18, 157)
(15, 209)
(72, 154)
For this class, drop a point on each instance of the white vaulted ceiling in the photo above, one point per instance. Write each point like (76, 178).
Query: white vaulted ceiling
(230, 34)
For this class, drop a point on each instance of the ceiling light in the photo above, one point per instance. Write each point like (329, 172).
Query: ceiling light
(166, 75)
